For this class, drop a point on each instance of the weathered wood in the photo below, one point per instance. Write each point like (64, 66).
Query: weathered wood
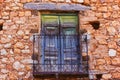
(54, 6)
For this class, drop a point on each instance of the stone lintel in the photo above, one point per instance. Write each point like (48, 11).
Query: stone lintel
(58, 6)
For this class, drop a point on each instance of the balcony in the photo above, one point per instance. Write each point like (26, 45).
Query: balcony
(65, 55)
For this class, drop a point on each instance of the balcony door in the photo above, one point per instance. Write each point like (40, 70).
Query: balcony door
(60, 42)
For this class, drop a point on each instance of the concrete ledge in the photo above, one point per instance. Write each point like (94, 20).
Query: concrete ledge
(58, 6)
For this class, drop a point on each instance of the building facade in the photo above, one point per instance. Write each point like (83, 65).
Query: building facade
(59, 39)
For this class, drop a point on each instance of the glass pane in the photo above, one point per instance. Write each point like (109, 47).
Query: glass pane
(69, 31)
(50, 30)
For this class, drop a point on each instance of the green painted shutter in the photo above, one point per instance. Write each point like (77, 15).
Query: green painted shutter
(68, 24)
(68, 21)
(50, 24)
(50, 20)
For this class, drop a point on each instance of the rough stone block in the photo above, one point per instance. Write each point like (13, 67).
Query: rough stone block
(106, 76)
(116, 61)
(19, 45)
(112, 52)
(100, 61)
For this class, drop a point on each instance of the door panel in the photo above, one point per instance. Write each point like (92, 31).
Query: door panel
(69, 44)
(50, 43)
(59, 42)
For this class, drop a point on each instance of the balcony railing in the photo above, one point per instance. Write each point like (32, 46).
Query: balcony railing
(66, 55)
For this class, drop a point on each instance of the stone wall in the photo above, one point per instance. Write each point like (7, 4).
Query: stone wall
(16, 44)
(104, 47)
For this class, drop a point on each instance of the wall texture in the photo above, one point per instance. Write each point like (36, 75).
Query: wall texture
(16, 44)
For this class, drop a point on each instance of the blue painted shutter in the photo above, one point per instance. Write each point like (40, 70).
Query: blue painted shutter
(50, 43)
(69, 42)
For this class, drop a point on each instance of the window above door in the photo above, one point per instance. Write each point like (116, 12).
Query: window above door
(62, 24)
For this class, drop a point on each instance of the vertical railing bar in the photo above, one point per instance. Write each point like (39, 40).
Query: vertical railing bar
(44, 40)
(60, 39)
(33, 54)
(87, 52)
(49, 60)
(38, 39)
(71, 50)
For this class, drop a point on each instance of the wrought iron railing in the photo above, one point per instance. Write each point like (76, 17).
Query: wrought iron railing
(66, 54)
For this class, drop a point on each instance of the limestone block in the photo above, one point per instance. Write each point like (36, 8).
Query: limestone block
(13, 14)
(116, 61)
(93, 44)
(22, 13)
(87, 1)
(2, 66)
(118, 42)
(17, 65)
(28, 75)
(11, 59)
(111, 30)
(100, 61)
(20, 32)
(26, 37)
(28, 13)
(1, 46)
(1, 21)
(103, 9)
(78, 1)
(116, 75)
(93, 0)
(5, 17)
(88, 19)
(106, 15)
(112, 52)
(102, 50)
(68, 1)
(101, 38)
(1, 1)
(8, 45)
(110, 8)
(108, 60)
(112, 44)
(61, 0)
(3, 52)
(19, 45)
(28, 67)
(115, 7)
(12, 76)
(115, 15)
(29, 0)
(4, 60)
(17, 0)
(17, 51)
(4, 71)
(98, 15)
(27, 61)
(25, 51)
(21, 73)
(101, 68)
(16, 8)
(23, 1)
(115, 24)
(53, 0)
(19, 22)
(3, 76)
(5, 13)
(106, 76)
